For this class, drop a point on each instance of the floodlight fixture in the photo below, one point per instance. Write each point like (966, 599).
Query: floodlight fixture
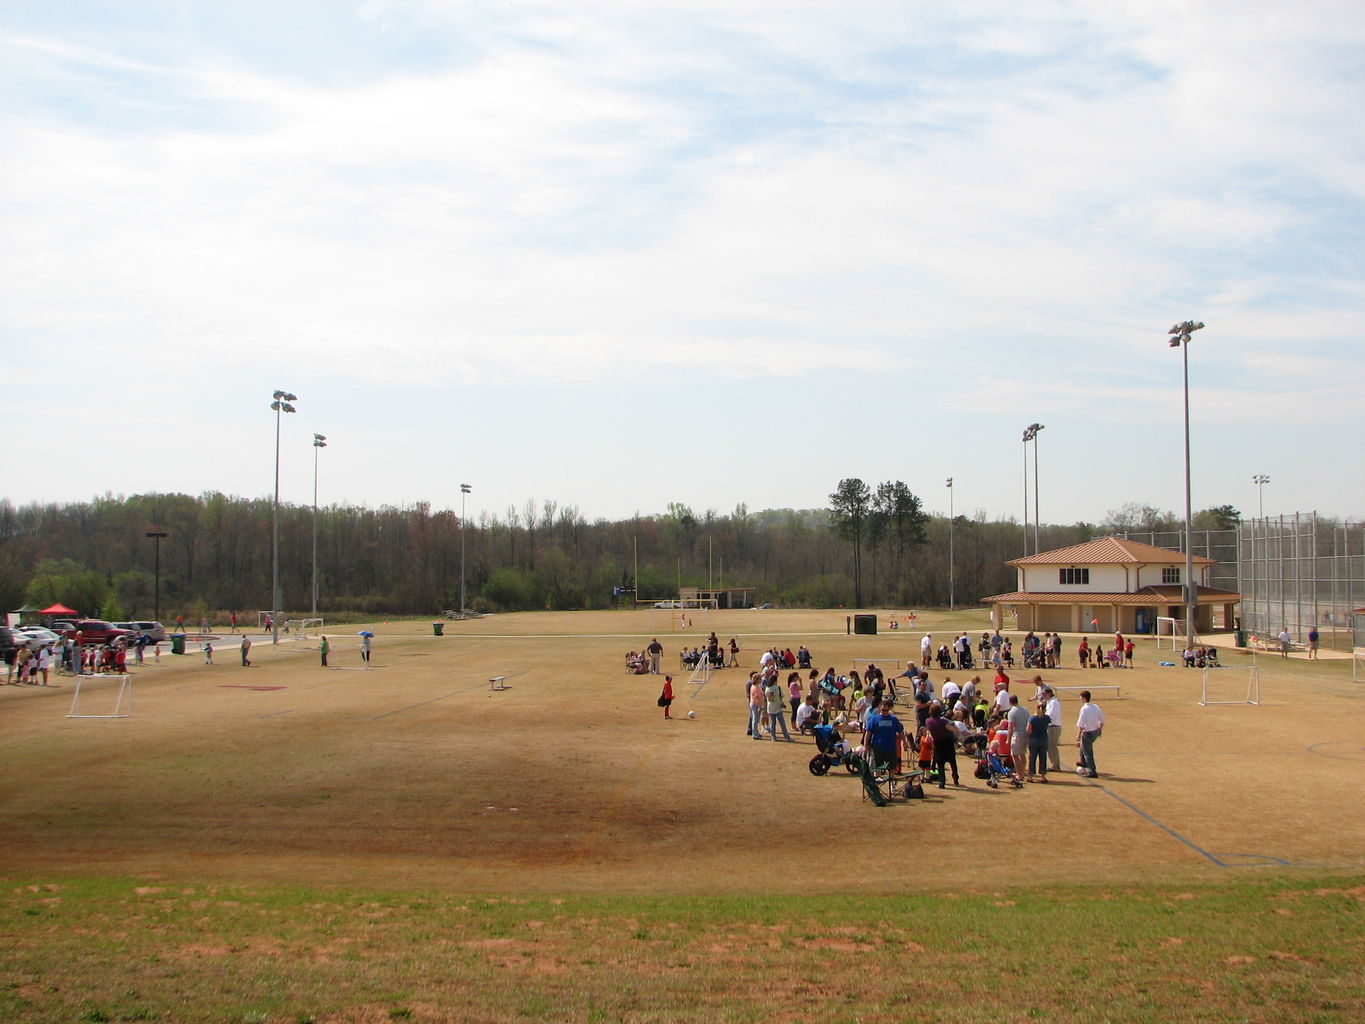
(1260, 480)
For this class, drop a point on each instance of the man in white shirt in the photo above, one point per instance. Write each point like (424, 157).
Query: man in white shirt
(926, 649)
(1089, 723)
(1053, 709)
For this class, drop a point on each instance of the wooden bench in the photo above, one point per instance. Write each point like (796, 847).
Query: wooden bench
(497, 683)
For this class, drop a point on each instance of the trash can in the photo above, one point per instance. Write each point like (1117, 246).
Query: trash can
(177, 643)
(1241, 638)
(866, 624)
(438, 628)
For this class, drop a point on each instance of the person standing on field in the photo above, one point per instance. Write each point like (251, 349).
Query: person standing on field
(666, 697)
(246, 651)
(656, 651)
(323, 648)
(776, 707)
(1089, 724)
(1052, 707)
(365, 649)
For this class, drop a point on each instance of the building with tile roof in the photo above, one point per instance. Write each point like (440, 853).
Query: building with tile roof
(1108, 585)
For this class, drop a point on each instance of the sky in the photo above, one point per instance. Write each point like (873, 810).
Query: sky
(617, 255)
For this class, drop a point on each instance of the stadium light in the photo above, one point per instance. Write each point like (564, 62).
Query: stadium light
(1180, 338)
(282, 404)
(319, 441)
(1037, 516)
(464, 489)
(950, 544)
(1260, 480)
(1031, 434)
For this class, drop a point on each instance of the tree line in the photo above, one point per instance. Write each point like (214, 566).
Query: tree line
(873, 547)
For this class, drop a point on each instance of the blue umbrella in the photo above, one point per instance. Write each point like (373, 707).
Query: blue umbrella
(366, 632)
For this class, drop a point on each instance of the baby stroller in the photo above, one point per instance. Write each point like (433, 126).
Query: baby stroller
(833, 750)
(993, 768)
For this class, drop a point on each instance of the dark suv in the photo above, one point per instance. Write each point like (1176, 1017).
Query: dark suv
(96, 631)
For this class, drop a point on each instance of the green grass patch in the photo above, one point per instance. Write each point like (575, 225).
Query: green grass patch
(1267, 949)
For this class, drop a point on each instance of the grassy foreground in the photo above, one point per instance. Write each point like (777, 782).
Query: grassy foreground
(1252, 949)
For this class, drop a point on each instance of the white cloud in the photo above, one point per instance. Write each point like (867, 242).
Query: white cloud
(617, 193)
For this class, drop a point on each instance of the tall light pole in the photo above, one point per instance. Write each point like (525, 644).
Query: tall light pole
(319, 441)
(156, 535)
(1260, 480)
(1031, 434)
(1180, 338)
(950, 545)
(1027, 436)
(464, 489)
(1037, 516)
(281, 405)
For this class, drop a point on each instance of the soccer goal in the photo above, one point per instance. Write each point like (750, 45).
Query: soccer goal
(1172, 630)
(123, 700)
(701, 674)
(1358, 664)
(1228, 685)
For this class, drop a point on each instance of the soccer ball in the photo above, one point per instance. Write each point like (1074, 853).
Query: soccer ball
(691, 714)
(1080, 769)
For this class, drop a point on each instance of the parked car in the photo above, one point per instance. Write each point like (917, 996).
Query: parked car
(97, 631)
(35, 637)
(155, 631)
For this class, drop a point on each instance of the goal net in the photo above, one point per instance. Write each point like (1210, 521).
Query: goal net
(1228, 689)
(1358, 664)
(302, 629)
(97, 703)
(1170, 633)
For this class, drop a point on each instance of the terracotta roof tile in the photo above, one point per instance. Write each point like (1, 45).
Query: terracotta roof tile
(1108, 551)
(1147, 595)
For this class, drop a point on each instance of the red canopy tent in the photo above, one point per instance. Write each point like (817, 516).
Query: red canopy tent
(59, 610)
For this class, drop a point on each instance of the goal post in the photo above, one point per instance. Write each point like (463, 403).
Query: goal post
(1358, 664)
(1253, 690)
(123, 700)
(1171, 629)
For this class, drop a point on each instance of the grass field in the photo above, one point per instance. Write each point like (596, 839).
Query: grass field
(291, 843)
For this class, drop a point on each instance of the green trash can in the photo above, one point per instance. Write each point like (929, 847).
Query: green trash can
(438, 628)
(1241, 638)
(177, 643)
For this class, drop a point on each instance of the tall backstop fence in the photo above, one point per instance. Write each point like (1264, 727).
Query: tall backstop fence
(1220, 545)
(1299, 571)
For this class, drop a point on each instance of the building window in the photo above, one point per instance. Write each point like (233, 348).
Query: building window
(1170, 574)
(1074, 576)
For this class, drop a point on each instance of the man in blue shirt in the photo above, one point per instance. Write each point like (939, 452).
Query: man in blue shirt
(885, 735)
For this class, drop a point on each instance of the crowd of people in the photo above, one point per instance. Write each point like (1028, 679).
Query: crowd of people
(1024, 733)
(786, 697)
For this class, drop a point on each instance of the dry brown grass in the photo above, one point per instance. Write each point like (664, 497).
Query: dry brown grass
(414, 774)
